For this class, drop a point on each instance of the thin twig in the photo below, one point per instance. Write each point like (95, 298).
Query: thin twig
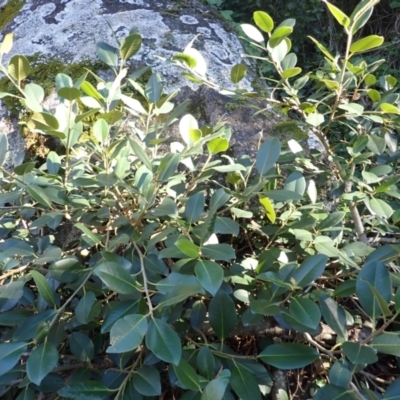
(145, 286)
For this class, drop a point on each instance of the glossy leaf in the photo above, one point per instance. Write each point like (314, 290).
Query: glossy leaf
(359, 354)
(366, 43)
(87, 390)
(387, 343)
(376, 274)
(18, 67)
(263, 21)
(210, 275)
(238, 72)
(339, 15)
(130, 46)
(187, 375)
(10, 354)
(41, 362)
(222, 314)
(147, 381)
(81, 346)
(44, 288)
(334, 315)
(268, 155)
(289, 355)
(163, 341)
(244, 384)
(127, 333)
(108, 54)
(310, 269)
(215, 390)
(116, 278)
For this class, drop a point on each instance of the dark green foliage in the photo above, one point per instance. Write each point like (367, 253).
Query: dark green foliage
(180, 262)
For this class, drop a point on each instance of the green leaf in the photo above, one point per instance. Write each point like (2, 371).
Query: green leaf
(167, 208)
(361, 14)
(268, 207)
(263, 21)
(39, 195)
(310, 269)
(206, 362)
(359, 354)
(376, 274)
(83, 308)
(27, 330)
(188, 248)
(333, 392)
(339, 15)
(100, 130)
(215, 390)
(288, 355)
(268, 155)
(322, 48)
(43, 121)
(168, 166)
(18, 67)
(65, 270)
(315, 119)
(380, 208)
(154, 88)
(87, 390)
(53, 162)
(10, 353)
(389, 108)
(222, 314)
(3, 147)
(69, 93)
(238, 72)
(226, 226)
(130, 46)
(366, 43)
(92, 239)
(44, 288)
(127, 333)
(108, 54)
(147, 381)
(218, 199)
(305, 312)
(190, 61)
(295, 182)
(387, 343)
(279, 34)
(252, 33)
(116, 278)
(244, 384)
(333, 219)
(194, 207)
(210, 275)
(81, 346)
(217, 145)
(291, 72)
(334, 315)
(392, 391)
(188, 129)
(218, 252)
(24, 168)
(41, 362)
(187, 375)
(163, 341)
(340, 374)
(7, 43)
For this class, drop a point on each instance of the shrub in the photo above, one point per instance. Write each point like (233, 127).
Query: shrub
(191, 274)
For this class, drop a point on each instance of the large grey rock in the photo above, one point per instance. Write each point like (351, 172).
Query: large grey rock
(70, 29)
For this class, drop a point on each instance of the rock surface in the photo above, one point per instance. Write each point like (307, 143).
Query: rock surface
(70, 29)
